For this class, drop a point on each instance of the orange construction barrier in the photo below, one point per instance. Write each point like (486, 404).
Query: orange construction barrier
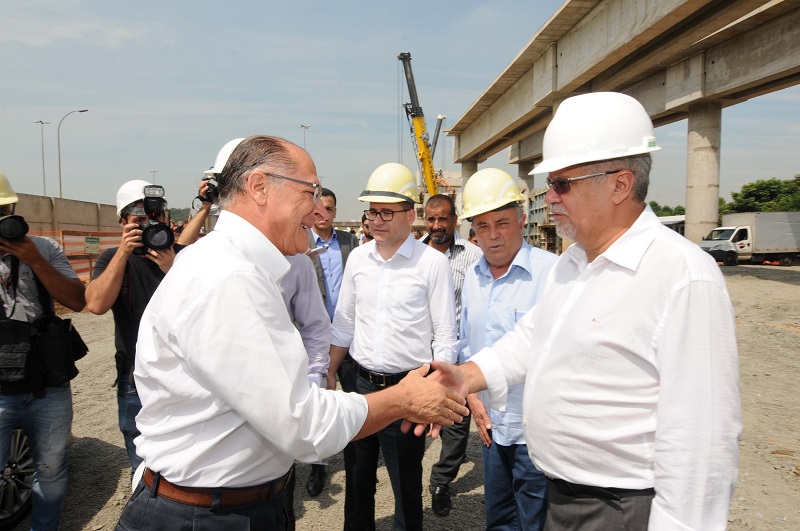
(82, 247)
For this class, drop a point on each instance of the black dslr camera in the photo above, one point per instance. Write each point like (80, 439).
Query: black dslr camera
(13, 228)
(155, 234)
(212, 192)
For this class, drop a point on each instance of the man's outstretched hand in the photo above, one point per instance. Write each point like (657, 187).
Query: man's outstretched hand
(450, 376)
(430, 401)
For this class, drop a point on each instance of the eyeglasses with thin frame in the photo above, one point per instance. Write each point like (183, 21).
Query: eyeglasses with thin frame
(562, 186)
(385, 214)
(317, 187)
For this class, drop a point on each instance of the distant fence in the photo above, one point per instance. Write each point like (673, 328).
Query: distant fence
(82, 247)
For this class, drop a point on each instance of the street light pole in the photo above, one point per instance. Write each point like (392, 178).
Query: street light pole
(44, 180)
(60, 191)
(154, 175)
(305, 128)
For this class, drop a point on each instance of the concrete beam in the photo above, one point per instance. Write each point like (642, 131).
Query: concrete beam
(605, 50)
(764, 54)
(761, 60)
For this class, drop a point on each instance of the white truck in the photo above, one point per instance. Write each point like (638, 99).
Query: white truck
(757, 237)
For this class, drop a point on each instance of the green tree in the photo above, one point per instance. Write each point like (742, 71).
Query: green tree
(179, 214)
(667, 210)
(770, 195)
(724, 206)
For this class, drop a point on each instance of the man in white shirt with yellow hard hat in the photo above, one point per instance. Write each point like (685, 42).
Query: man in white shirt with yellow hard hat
(395, 313)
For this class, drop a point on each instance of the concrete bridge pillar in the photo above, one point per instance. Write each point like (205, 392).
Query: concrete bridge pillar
(702, 175)
(468, 167)
(523, 169)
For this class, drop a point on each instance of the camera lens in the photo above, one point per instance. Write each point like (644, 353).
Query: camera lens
(13, 228)
(158, 237)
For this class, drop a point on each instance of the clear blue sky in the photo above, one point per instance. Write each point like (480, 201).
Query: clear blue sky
(167, 83)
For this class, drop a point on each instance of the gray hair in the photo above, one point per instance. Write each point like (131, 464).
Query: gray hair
(264, 153)
(638, 165)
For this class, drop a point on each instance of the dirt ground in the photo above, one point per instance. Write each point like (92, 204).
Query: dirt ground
(767, 305)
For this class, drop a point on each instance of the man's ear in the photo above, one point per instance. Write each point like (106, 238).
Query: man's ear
(258, 187)
(412, 215)
(623, 186)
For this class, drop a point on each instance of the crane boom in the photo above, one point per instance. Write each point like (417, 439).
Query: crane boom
(414, 112)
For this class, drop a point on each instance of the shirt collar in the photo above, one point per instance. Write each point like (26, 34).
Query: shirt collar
(256, 247)
(521, 259)
(629, 249)
(405, 250)
(318, 238)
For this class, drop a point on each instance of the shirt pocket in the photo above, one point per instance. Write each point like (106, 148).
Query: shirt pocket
(410, 304)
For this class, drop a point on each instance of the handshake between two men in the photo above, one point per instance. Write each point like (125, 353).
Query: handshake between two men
(436, 396)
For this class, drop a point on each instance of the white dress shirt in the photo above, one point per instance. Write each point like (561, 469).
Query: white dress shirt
(395, 312)
(631, 375)
(303, 299)
(221, 370)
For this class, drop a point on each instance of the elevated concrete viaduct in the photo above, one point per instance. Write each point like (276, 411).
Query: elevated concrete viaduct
(679, 58)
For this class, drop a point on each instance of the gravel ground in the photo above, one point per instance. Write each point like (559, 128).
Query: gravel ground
(767, 305)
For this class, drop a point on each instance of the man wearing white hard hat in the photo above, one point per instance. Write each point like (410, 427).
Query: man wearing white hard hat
(499, 289)
(124, 279)
(631, 402)
(35, 272)
(395, 313)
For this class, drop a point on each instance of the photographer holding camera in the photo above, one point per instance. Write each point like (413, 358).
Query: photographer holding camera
(124, 279)
(34, 271)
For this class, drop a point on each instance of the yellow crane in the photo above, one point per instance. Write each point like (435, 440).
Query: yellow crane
(420, 132)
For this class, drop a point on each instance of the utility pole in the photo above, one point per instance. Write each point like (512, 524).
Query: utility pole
(60, 190)
(44, 179)
(153, 172)
(305, 128)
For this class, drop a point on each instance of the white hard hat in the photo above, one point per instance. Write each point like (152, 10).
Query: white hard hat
(129, 193)
(487, 190)
(391, 183)
(594, 127)
(222, 157)
(7, 195)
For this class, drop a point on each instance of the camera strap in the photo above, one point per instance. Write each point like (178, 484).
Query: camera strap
(11, 285)
(44, 297)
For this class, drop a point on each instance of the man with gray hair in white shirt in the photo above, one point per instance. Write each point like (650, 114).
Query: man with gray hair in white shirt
(227, 406)
(631, 401)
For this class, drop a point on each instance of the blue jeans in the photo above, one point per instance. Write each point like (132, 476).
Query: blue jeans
(515, 491)
(46, 422)
(128, 406)
(148, 512)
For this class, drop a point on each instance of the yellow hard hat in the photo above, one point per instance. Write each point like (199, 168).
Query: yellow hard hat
(488, 190)
(7, 195)
(391, 183)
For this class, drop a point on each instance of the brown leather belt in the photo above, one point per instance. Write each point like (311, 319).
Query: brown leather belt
(379, 379)
(204, 497)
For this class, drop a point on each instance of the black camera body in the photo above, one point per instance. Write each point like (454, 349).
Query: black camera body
(212, 192)
(155, 234)
(13, 228)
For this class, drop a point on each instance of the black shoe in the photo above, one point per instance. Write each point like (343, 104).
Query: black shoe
(441, 500)
(316, 480)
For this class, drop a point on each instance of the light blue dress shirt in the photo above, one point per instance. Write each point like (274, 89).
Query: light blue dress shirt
(490, 308)
(331, 262)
